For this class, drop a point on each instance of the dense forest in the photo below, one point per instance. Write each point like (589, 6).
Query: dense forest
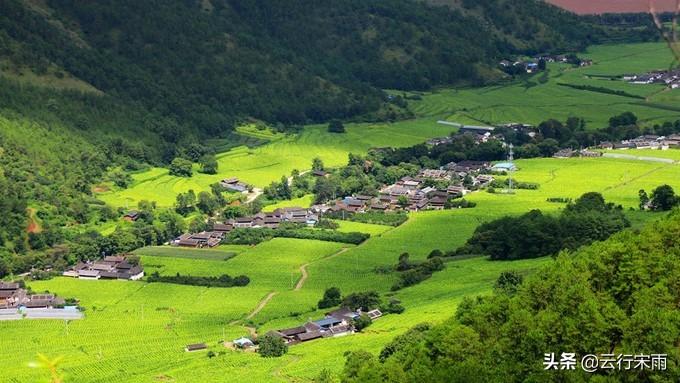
(614, 297)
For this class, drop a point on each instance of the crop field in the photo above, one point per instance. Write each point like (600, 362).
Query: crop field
(188, 253)
(162, 318)
(262, 165)
(540, 97)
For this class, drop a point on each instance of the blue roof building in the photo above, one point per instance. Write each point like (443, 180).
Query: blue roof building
(504, 167)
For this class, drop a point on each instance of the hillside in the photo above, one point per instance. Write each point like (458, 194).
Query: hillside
(614, 297)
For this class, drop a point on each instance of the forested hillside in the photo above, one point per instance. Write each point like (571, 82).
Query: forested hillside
(614, 297)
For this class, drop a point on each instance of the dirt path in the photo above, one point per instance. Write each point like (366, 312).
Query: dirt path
(253, 195)
(261, 305)
(303, 268)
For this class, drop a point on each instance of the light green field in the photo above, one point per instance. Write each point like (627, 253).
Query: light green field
(305, 202)
(539, 97)
(673, 154)
(262, 165)
(161, 319)
(187, 253)
(373, 230)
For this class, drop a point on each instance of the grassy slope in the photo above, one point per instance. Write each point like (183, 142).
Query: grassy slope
(174, 316)
(539, 97)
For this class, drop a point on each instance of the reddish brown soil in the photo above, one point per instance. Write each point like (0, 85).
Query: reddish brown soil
(603, 6)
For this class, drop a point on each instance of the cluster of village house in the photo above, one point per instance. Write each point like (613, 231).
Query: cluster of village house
(111, 267)
(413, 190)
(648, 141)
(12, 296)
(670, 78)
(531, 66)
(333, 324)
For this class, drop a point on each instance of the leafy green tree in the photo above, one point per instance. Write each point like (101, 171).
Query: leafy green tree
(317, 164)
(403, 202)
(207, 203)
(663, 198)
(185, 203)
(644, 199)
(271, 346)
(361, 322)
(120, 178)
(331, 298)
(508, 282)
(367, 300)
(336, 126)
(181, 167)
(208, 164)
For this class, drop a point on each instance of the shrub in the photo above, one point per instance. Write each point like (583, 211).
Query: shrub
(181, 167)
(361, 322)
(272, 346)
(331, 298)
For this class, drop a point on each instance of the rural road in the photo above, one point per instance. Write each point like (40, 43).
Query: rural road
(253, 195)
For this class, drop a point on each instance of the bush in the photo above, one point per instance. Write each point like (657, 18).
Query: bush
(365, 301)
(181, 167)
(272, 346)
(435, 253)
(221, 281)
(331, 298)
(336, 126)
(361, 322)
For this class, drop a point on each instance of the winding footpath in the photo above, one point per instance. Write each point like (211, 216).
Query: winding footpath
(303, 268)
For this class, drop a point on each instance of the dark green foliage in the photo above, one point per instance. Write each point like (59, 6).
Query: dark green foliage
(361, 322)
(221, 281)
(663, 198)
(461, 203)
(393, 307)
(336, 126)
(252, 237)
(616, 295)
(435, 253)
(271, 346)
(534, 234)
(601, 89)
(181, 167)
(414, 273)
(331, 298)
(327, 224)
(366, 301)
(508, 282)
(208, 164)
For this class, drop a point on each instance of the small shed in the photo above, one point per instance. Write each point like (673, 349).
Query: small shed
(243, 342)
(195, 347)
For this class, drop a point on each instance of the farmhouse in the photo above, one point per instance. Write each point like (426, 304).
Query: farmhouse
(233, 184)
(243, 342)
(335, 323)
(131, 216)
(111, 267)
(13, 296)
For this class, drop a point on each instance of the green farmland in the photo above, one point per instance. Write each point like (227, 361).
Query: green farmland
(161, 318)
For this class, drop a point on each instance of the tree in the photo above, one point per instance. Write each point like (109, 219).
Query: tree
(181, 167)
(361, 322)
(272, 346)
(208, 164)
(508, 282)
(644, 199)
(206, 203)
(331, 298)
(185, 202)
(664, 198)
(120, 178)
(365, 301)
(317, 164)
(435, 253)
(402, 201)
(336, 126)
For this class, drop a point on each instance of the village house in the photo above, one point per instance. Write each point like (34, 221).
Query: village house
(233, 184)
(111, 267)
(13, 296)
(333, 324)
(131, 216)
